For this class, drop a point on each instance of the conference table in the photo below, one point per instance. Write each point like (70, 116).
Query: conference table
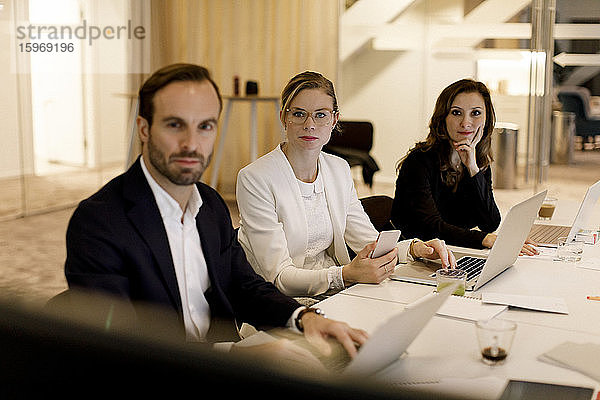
(445, 356)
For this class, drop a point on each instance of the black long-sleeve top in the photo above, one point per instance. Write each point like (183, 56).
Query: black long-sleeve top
(426, 208)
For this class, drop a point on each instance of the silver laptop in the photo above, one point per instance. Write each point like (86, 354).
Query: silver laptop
(547, 235)
(390, 340)
(480, 270)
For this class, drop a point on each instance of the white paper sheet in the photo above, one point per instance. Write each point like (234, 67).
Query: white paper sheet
(593, 263)
(538, 303)
(470, 309)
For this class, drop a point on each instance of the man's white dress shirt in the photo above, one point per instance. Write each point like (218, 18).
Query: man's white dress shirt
(187, 255)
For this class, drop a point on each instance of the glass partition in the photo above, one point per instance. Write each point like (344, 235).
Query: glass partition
(67, 78)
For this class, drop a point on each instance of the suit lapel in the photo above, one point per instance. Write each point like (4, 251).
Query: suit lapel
(146, 218)
(207, 224)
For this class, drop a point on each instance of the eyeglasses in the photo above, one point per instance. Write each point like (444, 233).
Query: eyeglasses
(320, 117)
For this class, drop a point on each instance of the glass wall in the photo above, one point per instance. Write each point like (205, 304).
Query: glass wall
(67, 103)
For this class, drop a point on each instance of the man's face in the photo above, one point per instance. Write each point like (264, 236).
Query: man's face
(179, 144)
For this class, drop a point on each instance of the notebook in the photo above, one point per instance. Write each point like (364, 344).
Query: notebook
(582, 357)
(480, 270)
(525, 390)
(385, 345)
(547, 235)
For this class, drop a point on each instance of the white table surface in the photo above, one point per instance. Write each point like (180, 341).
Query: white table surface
(529, 276)
(445, 354)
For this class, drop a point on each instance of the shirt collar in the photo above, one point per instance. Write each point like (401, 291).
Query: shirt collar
(307, 189)
(167, 205)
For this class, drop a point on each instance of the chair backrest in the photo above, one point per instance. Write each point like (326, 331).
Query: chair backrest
(379, 210)
(355, 135)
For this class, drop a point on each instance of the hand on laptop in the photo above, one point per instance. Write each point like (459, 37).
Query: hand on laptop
(432, 250)
(528, 248)
(317, 329)
(284, 354)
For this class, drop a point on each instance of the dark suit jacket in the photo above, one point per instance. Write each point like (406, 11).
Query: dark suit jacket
(117, 243)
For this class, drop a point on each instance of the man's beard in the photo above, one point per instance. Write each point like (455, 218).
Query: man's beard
(185, 176)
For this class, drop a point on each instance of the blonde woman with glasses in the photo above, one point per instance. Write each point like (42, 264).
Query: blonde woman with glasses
(299, 209)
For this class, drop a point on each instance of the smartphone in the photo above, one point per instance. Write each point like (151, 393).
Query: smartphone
(386, 241)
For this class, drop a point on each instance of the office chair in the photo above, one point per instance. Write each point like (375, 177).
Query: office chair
(379, 210)
(576, 99)
(354, 145)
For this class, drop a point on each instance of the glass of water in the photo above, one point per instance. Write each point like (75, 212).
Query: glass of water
(569, 250)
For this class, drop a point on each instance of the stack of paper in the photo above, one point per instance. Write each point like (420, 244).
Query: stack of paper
(469, 308)
(581, 357)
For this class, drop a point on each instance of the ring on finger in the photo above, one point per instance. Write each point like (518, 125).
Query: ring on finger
(386, 270)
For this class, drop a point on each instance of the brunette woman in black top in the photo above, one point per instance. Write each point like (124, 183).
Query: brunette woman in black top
(444, 185)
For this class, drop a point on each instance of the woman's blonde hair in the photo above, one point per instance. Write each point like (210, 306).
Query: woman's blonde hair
(307, 80)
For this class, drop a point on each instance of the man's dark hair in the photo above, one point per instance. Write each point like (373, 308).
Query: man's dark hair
(171, 73)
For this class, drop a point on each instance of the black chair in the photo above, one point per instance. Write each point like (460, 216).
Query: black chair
(354, 145)
(379, 210)
(576, 99)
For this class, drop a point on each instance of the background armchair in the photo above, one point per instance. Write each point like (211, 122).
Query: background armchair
(576, 99)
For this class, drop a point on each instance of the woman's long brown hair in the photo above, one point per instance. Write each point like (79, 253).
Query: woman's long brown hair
(438, 140)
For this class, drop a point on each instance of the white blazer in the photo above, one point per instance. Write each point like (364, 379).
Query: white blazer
(273, 227)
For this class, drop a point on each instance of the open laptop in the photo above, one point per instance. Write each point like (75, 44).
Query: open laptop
(480, 270)
(547, 235)
(385, 345)
(391, 339)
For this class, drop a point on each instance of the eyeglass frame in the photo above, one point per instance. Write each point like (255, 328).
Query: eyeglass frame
(310, 114)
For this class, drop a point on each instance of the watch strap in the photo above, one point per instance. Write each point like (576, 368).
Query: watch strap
(298, 320)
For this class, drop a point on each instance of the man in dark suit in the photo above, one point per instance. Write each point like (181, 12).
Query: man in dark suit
(155, 235)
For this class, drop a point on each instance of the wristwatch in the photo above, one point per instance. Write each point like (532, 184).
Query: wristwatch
(411, 250)
(298, 320)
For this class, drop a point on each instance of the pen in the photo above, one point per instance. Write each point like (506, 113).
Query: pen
(593, 298)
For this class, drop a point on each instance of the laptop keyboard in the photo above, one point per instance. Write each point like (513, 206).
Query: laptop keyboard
(471, 265)
(548, 233)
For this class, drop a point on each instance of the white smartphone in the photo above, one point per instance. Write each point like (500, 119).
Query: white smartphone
(386, 241)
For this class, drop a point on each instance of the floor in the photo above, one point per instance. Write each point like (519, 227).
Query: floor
(32, 249)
